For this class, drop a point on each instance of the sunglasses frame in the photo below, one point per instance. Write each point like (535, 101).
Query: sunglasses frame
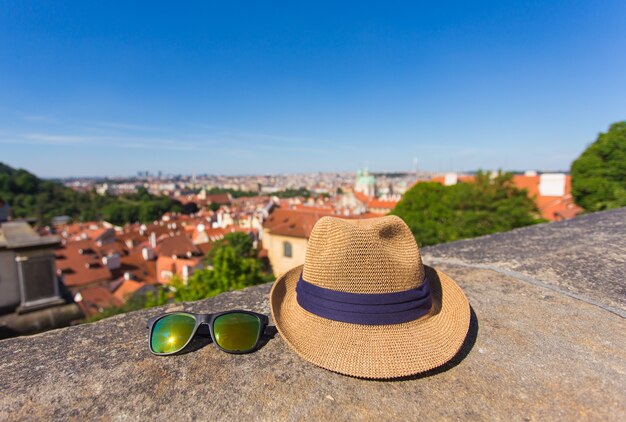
(209, 320)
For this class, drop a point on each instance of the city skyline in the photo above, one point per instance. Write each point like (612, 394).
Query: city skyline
(241, 90)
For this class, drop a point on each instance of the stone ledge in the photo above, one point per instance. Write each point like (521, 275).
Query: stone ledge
(584, 257)
(535, 352)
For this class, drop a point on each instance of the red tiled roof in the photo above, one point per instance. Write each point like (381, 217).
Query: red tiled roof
(180, 246)
(461, 178)
(205, 247)
(294, 223)
(551, 207)
(127, 288)
(378, 204)
(558, 207)
(314, 208)
(212, 234)
(375, 203)
(94, 234)
(218, 198)
(362, 197)
(134, 238)
(466, 179)
(530, 183)
(117, 246)
(138, 267)
(80, 269)
(175, 266)
(251, 200)
(95, 299)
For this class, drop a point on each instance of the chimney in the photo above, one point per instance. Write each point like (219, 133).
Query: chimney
(113, 261)
(552, 184)
(153, 239)
(451, 179)
(187, 271)
(147, 254)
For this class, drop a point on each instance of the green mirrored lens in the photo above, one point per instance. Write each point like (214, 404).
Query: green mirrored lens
(236, 332)
(171, 333)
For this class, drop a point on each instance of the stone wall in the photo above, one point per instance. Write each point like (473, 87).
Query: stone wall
(547, 341)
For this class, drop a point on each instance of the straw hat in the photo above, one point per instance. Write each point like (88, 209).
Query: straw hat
(365, 305)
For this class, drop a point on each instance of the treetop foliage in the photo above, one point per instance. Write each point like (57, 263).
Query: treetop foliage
(230, 271)
(41, 199)
(437, 213)
(239, 241)
(599, 174)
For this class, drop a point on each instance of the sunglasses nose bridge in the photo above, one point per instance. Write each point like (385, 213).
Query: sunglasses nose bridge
(204, 328)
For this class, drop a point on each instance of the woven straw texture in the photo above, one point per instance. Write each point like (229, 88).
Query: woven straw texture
(370, 256)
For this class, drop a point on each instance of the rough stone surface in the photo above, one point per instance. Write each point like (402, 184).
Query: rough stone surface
(585, 257)
(534, 352)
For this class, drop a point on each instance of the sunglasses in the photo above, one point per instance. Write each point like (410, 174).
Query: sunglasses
(232, 331)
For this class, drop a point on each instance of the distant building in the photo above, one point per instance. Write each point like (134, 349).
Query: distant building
(177, 256)
(365, 183)
(550, 191)
(371, 205)
(214, 198)
(450, 179)
(103, 189)
(378, 206)
(285, 235)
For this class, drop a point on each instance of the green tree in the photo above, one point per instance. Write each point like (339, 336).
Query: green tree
(291, 193)
(229, 272)
(239, 241)
(438, 214)
(599, 174)
(30, 196)
(235, 193)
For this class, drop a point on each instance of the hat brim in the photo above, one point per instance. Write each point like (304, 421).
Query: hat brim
(374, 351)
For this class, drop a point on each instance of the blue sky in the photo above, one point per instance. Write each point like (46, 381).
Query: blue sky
(106, 88)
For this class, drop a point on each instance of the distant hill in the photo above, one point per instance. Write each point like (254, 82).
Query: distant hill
(32, 197)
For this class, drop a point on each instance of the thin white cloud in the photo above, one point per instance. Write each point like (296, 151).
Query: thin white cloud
(57, 139)
(112, 141)
(38, 118)
(126, 126)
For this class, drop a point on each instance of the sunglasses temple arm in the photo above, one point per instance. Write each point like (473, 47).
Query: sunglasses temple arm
(151, 321)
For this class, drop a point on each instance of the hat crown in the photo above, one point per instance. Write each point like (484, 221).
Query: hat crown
(376, 255)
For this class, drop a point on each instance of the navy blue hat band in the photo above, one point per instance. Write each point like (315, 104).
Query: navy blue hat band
(365, 308)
